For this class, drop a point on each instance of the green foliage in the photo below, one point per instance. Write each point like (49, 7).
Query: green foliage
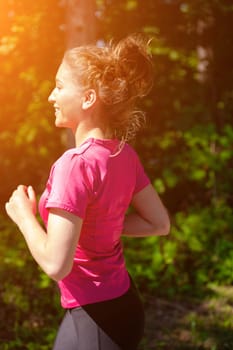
(204, 156)
(198, 251)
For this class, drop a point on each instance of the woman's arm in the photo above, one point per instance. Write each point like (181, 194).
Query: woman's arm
(53, 250)
(150, 216)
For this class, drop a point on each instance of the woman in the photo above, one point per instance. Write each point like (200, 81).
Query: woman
(89, 190)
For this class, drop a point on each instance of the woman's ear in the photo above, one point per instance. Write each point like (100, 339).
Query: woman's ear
(89, 99)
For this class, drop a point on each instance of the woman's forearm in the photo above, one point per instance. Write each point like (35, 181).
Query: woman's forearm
(53, 250)
(36, 239)
(136, 226)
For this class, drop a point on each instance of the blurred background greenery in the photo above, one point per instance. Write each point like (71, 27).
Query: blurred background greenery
(186, 148)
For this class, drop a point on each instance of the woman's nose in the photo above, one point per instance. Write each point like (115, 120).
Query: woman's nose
(51, 97)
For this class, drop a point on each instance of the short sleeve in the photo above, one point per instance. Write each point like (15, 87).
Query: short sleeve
(70, 185)
(142, 180)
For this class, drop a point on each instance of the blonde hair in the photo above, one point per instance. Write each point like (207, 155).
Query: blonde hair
(120, 73)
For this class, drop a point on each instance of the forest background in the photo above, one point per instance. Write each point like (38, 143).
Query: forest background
(187, 146)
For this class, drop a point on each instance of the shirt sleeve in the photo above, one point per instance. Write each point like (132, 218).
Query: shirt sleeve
(142, 180)
(70, 185)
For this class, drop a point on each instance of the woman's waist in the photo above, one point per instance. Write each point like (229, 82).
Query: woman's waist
(93, 249)
(96, 266)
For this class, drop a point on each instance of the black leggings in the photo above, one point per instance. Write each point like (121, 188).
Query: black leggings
(115, 324)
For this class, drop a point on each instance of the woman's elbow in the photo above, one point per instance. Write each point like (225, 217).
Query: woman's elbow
(165, 224)
(163, 228)
(57, 273)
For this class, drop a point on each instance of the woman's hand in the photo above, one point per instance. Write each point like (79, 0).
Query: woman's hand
(151, 217)
(21, 204)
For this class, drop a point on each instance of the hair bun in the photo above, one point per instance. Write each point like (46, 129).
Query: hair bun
(135, 64)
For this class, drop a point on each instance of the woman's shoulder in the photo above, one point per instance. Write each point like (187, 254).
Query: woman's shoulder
(73, 153)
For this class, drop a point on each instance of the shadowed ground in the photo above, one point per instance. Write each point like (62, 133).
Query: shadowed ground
(190, 324)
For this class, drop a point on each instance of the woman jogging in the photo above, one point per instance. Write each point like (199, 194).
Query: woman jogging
(88, 193)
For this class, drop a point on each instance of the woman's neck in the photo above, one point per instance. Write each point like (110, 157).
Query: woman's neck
(81, 135)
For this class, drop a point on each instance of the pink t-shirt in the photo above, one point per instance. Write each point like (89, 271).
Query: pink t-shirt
(96, 183)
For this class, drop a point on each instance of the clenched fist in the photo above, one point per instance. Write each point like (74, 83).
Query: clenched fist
(21, 204)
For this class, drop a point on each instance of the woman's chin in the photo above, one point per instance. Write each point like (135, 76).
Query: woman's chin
(59, 124)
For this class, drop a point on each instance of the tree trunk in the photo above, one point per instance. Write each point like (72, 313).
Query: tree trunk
(80, 22)
(80, 28)
(206, 76)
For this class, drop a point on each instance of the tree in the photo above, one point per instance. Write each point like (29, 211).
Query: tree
(80, 24)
